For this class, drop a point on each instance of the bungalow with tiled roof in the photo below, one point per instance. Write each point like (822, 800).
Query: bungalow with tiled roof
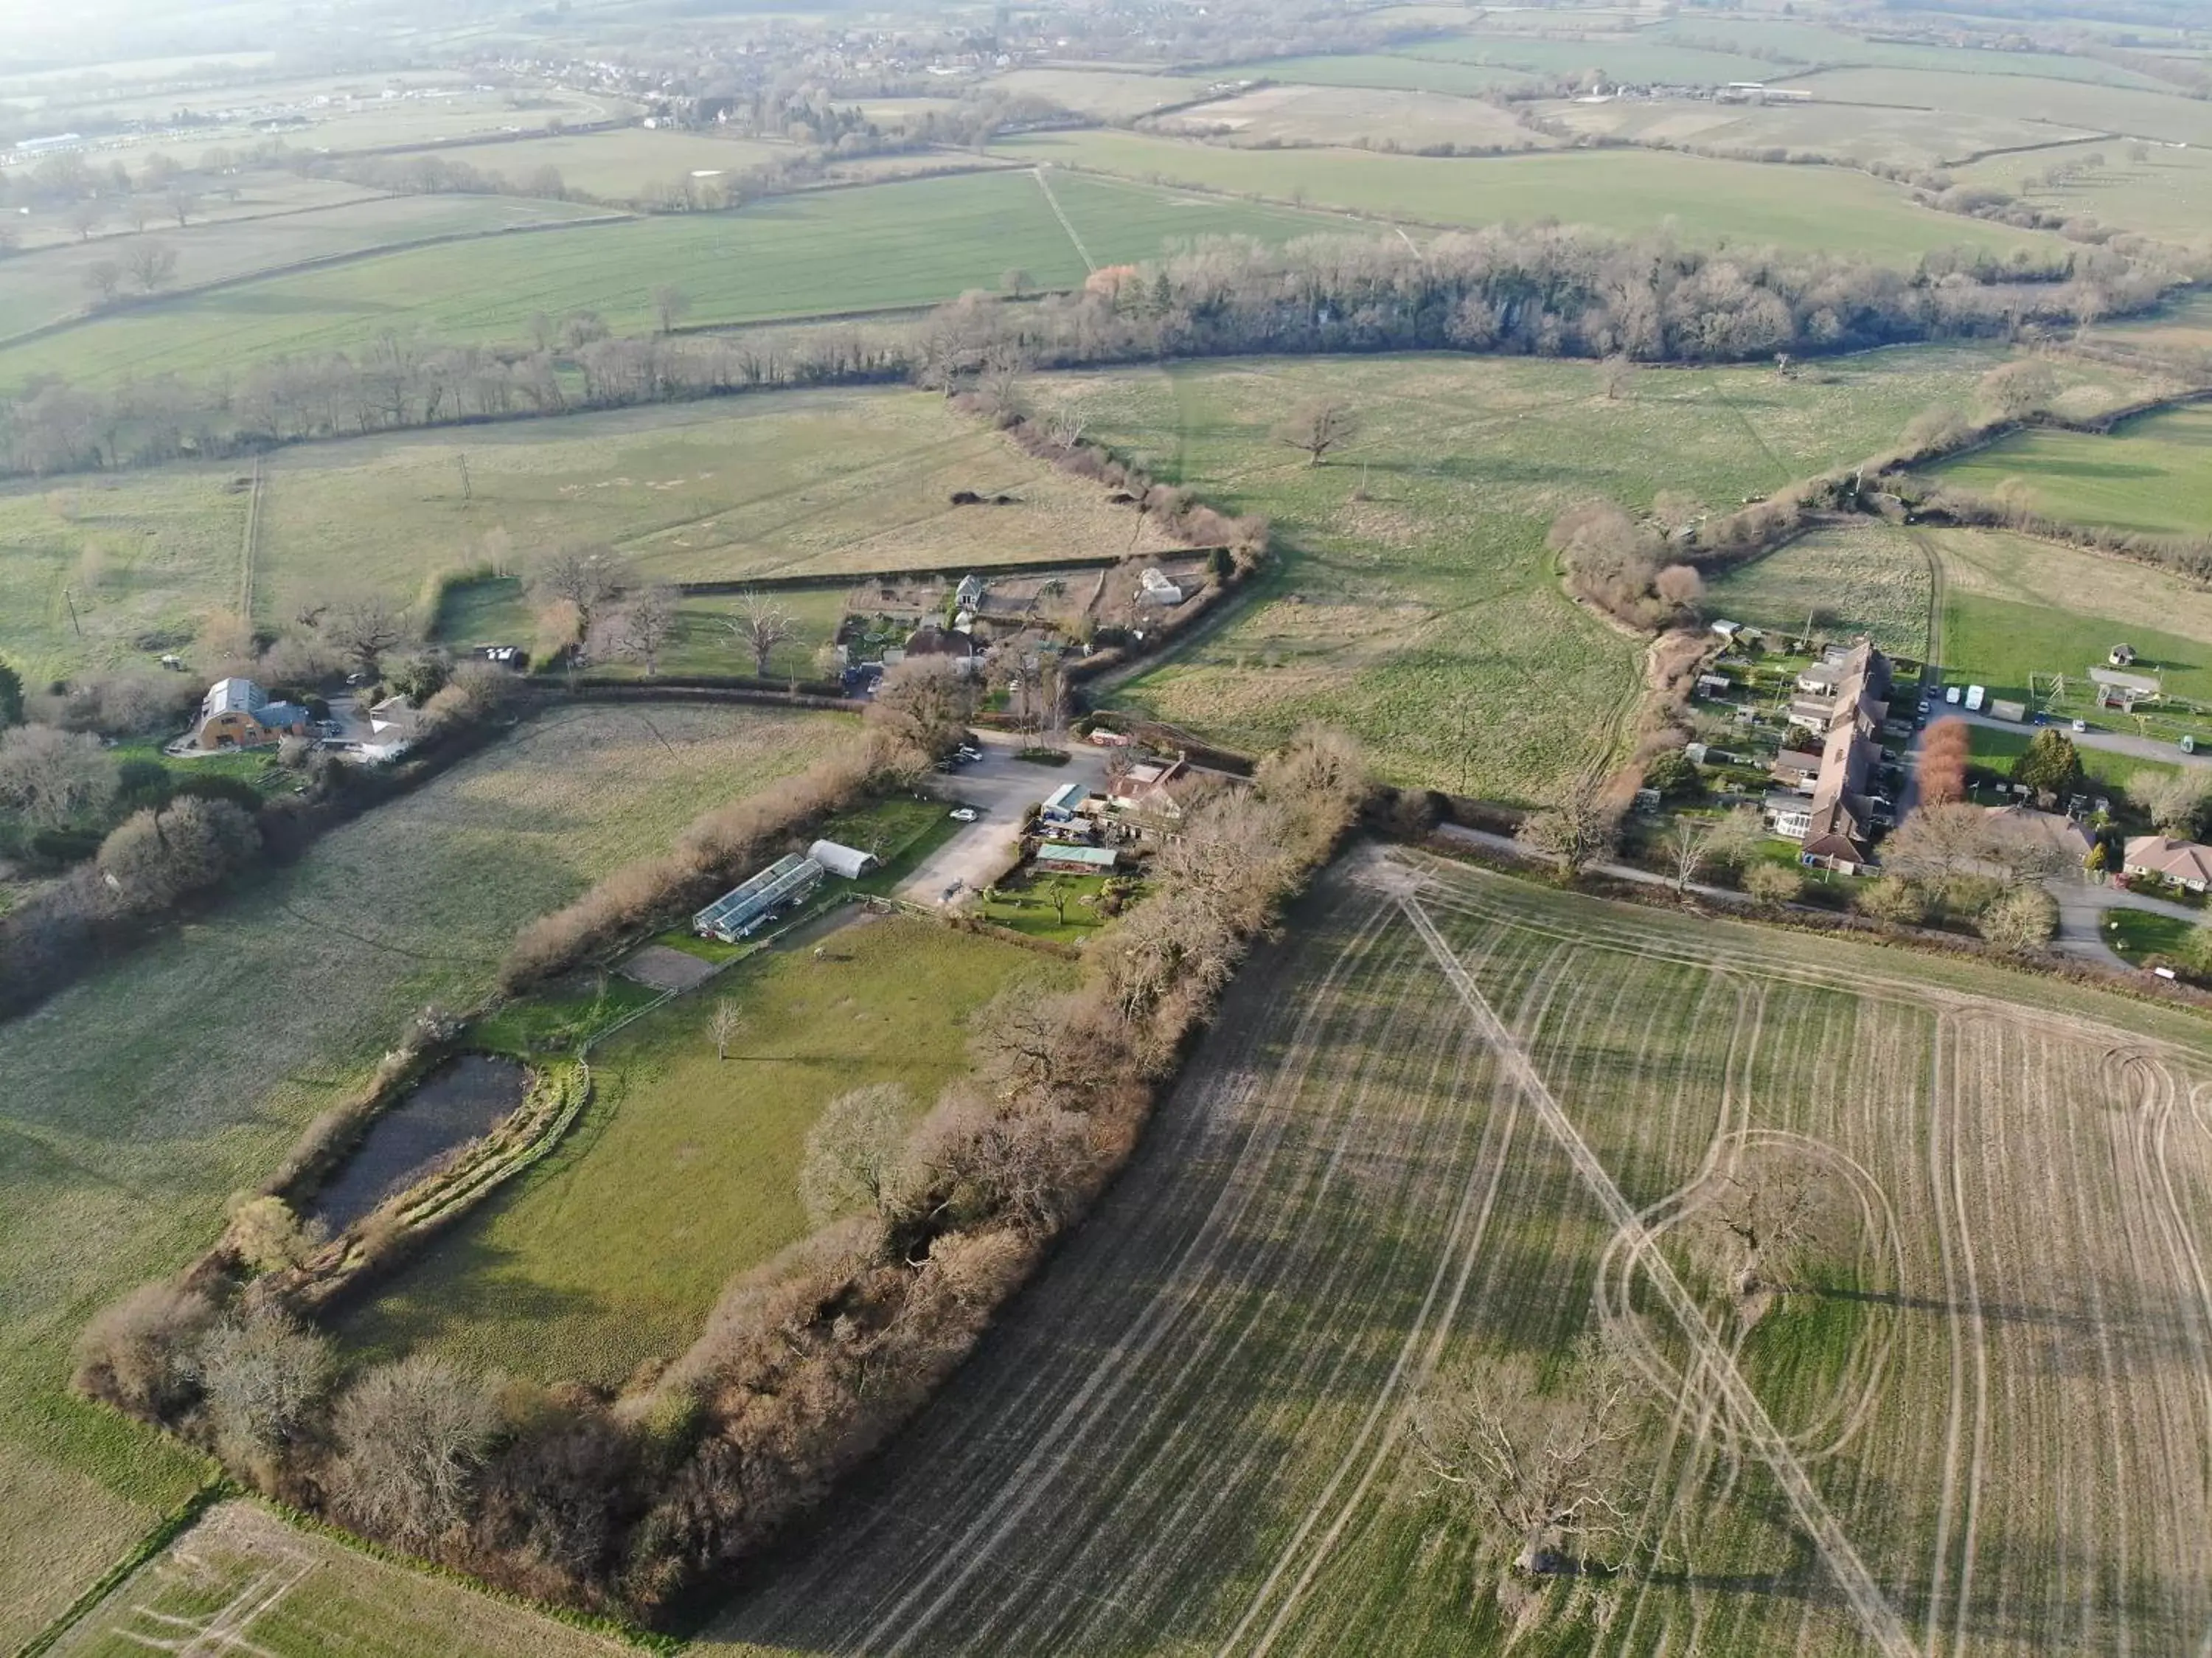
(2183, 863)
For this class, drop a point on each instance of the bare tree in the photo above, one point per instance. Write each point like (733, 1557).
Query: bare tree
(645, 625)
(761, 625)
(585, 578)
(2020, 388)
(182, 204)
(924, 702)
(103, 280)
(723, 1025)
(157, 855)
(1693, 844)
(263, 1372)
(671, 305)
(1315, 428)
(852, 1152)
(1770, 1210)
(363, 628)
(1551, 1465)
(2176, 800)
(151, 266)
(137, 1353)
(1583, 828)
(411, 1437)
(51, 776)
(1614, 376)
(2020, 920)
(86, 218)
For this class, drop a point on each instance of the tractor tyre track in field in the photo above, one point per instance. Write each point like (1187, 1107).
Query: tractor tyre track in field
(1876, 1616)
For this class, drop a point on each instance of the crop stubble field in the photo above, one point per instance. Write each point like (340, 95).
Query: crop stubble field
(217, 1042)
(241, 1581)
(1474, 1120)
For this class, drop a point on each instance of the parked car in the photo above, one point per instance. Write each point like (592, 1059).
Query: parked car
(965, 814)
(2080, 725)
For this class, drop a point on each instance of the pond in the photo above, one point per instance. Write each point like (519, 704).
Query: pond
(458, 1102)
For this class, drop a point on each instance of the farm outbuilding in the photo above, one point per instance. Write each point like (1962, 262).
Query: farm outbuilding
(1066, 859)
(847, 861)
(734, 915)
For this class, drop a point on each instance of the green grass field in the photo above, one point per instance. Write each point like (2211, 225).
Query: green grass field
(141, 1098)
(1867, 579)
(1810, 43)
(243, 1581)
(2153, 475)
(48, 286)
(1611, 58)
(684, 1171)
(1713, 203)
(904, 244)
(1106, 95)
(1428, 617)
(1366, 116)
(1472, 1124)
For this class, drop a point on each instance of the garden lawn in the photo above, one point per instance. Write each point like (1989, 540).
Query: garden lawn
(1628, 192)
(1026, 905)
(2110, 773)
(138, 1100)
(684, 1170)
(2135, 934)
(2153, 475)
(1414, 602)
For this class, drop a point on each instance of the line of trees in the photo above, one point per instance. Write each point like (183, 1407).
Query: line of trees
(807, 1363)
(1547, 291)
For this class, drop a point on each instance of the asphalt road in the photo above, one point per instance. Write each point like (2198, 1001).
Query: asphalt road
(1000, 787)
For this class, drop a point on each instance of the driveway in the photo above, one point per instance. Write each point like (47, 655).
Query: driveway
(2114, 742)
(1000, 788)
(2081, 908)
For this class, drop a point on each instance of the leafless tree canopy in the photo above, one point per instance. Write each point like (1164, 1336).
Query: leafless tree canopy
(585, 578)
(723, 1025)
(1771, 1210)
(411, 1437)
(51, 775)
(761, 625)
(1553, 1468)
(643, 626)
(364, 627)
(1317, 428)
(852, 1153)
(264, 1375)
(924, 703)
(1583, 828)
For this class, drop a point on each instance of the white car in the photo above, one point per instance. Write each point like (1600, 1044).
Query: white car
(964, 814)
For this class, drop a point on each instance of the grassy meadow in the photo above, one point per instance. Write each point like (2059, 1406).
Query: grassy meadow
(2082, 105)
(1388, 70)
(2167, 194)
(684, 1170)
(1870, 579)
(139, 1099)
(1714, 202)
(910, 243)
(813, 483)
(619, 166)
(2152, 475)
(1469, 1125)
(1415, 602)
(1917, 139)
(1276, 115)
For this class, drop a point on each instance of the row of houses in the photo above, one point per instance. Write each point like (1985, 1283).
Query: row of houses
(1828, 801)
